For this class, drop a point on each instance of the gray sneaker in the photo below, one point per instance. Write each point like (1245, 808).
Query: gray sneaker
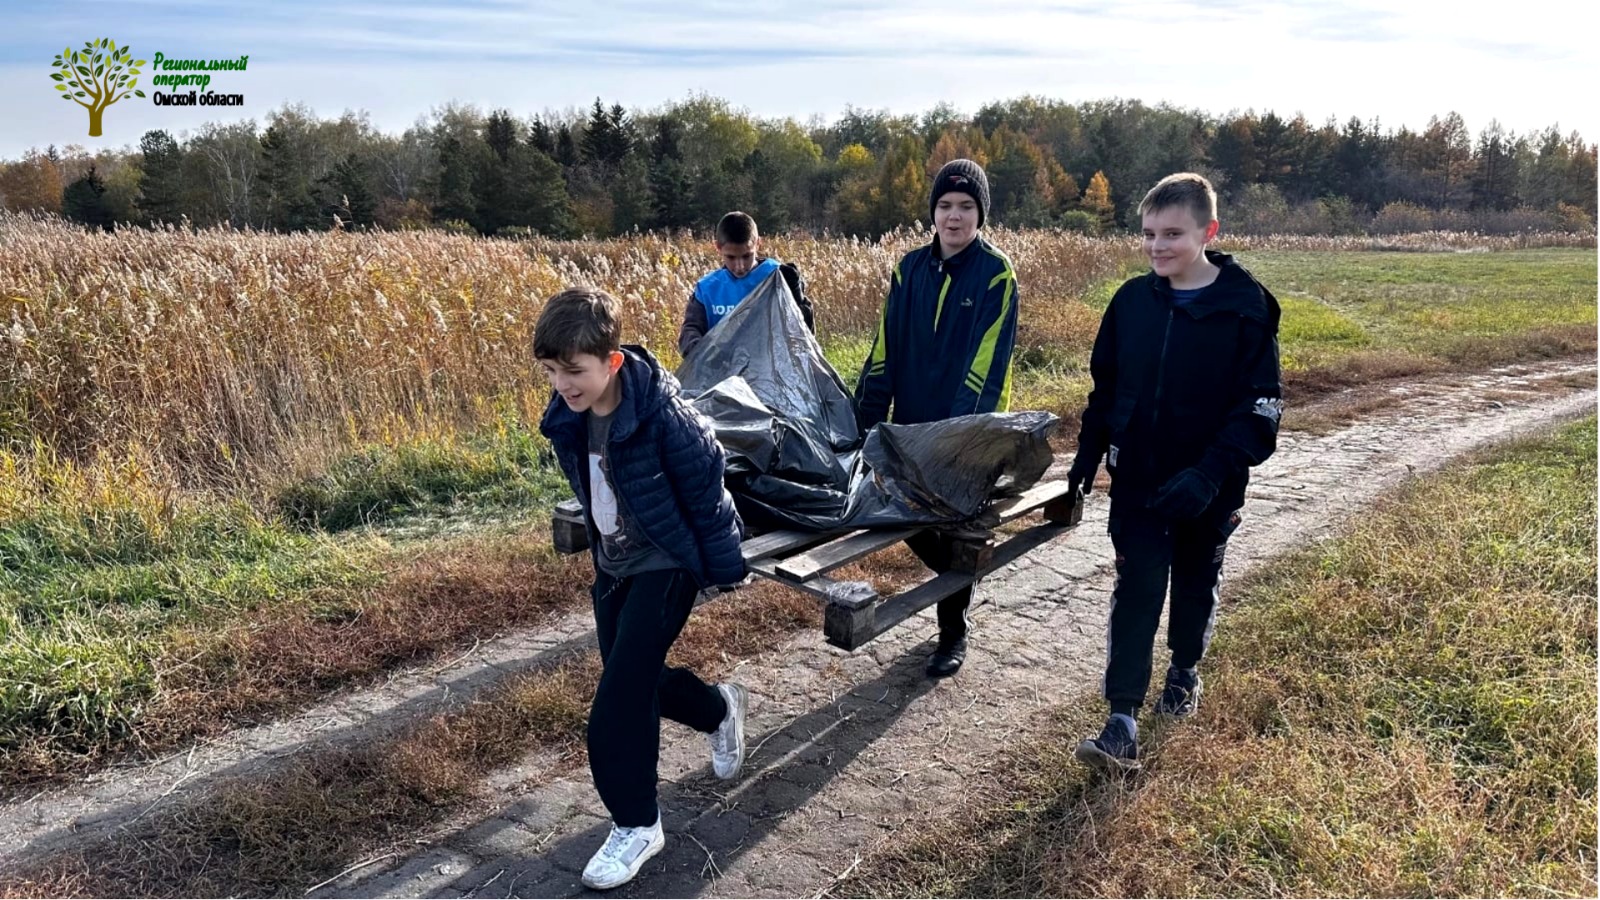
(1116, 750)
(1180, 696)
(727, 742)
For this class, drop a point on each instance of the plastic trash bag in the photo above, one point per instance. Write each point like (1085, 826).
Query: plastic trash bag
(795, 456)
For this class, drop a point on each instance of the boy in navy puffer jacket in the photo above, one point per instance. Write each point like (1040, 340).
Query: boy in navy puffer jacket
(648, 472)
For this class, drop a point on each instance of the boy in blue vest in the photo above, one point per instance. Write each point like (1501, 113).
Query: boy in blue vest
(943, 349)
(739, 244)
(648, 472)
(1186, 398)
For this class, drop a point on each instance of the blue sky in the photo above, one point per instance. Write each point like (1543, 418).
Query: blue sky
(1528, 64)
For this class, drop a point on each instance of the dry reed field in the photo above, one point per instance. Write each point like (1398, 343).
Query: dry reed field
(213, 357)
(218, 355)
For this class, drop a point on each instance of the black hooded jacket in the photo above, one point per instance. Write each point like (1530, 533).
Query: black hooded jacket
(1180, 386)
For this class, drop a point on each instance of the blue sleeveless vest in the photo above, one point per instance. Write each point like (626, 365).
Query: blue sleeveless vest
(720, 292)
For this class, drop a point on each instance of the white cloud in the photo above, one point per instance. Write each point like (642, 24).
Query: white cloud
(1401, 64)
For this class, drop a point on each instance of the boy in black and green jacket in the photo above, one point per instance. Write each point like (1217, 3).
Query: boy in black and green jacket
(943, 349)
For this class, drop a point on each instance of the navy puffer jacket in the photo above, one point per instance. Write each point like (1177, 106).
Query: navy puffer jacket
(667, 466)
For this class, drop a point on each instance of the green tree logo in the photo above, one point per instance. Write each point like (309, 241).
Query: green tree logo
(97, 76)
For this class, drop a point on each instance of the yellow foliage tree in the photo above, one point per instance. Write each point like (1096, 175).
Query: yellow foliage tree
(967, 143)
(1055, 183)
(901, 195)
(1097, 200)
(853, 205)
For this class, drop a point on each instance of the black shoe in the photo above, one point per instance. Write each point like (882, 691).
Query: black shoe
(1115, 751)
(947, 658)
(1180, 696)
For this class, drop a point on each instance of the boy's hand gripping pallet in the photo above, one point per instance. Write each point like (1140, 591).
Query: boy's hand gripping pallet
(854, 613)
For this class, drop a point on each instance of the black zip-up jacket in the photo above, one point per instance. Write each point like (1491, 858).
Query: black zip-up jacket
(945, 338)
(1174, 387)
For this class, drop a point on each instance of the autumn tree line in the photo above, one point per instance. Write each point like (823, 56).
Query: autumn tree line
(606, 171)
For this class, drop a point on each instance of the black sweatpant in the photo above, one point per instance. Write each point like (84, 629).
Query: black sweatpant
(934, 552)
(636, 619)
(1148, 548)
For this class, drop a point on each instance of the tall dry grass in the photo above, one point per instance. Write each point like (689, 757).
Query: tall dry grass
(225, 355)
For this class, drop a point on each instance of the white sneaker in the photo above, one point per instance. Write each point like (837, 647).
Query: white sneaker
(727, 742)
(623, 855)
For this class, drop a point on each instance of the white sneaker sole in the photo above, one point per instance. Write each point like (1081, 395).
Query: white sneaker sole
(741, 702)
(633, 870)
(1090, 754)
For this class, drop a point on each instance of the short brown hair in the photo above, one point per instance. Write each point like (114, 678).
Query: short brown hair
(578, 320)
(1186, 189)
(736, 228)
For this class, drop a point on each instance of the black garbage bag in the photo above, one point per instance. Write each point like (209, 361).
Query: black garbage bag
(796, 458)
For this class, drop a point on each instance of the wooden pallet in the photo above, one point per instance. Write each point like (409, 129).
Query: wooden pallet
(854, 614)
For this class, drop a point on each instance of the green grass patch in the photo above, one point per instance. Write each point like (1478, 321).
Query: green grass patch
(507, 467)
(1406, 710)
(847, 353)
(1463, 308)
(1312, 332)
(99, 572)
(1349, 317)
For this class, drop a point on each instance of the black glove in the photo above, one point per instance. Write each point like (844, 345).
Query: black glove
(1185, 495)
(1081, 476)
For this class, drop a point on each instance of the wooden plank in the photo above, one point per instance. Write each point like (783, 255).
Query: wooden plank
(569, 532)
(1021, 544)
(1065, 510)
(849, 628)
(970, 556)
(852, 547)
(1030, 500)
(904, 605)
(841, 551)
(778, 544)
(822, 587)
(851, 632)
(568, 536)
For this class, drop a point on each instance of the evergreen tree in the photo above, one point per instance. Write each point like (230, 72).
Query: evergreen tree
(541, 137)
(500, 133)
(597, 136)
(286, 181)
(537, 196)
(456, 197)
(1494, 181)
(670, 200)
(566, 148)
(622, 137)
(161, 184)
(85, 201)
(344, 192)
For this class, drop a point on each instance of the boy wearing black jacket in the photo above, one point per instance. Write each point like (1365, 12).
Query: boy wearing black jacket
(943, 349)
(1186, 398)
